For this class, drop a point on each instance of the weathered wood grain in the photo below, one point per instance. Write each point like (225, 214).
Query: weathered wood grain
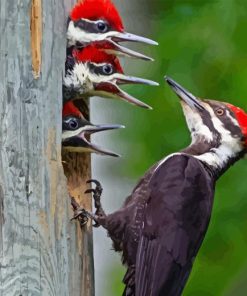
(41, 251)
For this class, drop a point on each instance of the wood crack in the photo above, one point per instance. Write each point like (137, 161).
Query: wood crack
(36, 36)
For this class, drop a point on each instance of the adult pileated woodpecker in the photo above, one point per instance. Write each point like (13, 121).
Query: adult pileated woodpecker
(93, 72)
(162, 224)
(77, 130)
(99, 21)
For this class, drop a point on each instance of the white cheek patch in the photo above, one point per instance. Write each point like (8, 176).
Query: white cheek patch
(196, 125)
(79, 78)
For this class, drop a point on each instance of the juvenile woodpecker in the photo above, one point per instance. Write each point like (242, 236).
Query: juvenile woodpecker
(99, 21)
(77, 131)
(93, 72)
(162, 224)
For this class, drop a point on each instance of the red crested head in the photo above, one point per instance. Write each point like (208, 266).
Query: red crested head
(93, 54)
(241, 117)
(98, 9)
(69, 109)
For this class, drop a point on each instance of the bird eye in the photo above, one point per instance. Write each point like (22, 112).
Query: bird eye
(220, 112)
(108, 69)
(102, 26)
(73, 124)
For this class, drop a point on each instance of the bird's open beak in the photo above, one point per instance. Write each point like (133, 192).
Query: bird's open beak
(112, 91)
(80, 142)
(124, 36)
(95, 129)
(185, 95)
(118, 50)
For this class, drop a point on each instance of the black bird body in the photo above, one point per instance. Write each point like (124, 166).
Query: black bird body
(162, 224)
(179, 190)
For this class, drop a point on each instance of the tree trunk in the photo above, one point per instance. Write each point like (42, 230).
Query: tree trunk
(41, 251)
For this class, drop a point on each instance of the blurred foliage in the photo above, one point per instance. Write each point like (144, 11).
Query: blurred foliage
(203, 46)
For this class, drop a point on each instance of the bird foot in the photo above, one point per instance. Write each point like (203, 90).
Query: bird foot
(97, 192)
(81, 214)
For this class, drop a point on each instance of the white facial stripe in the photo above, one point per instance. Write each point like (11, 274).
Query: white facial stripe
(100, 64)
(70, 134)
(226, 137)
(75, 34)
(92, 22)
(229, 147)
(233, 120)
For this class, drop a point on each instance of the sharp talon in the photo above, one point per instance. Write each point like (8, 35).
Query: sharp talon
(97, 183)
(89, 191)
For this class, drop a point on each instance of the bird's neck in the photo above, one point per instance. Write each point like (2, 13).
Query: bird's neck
(217, 158)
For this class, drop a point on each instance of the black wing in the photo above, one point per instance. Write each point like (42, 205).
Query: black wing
(175, 223)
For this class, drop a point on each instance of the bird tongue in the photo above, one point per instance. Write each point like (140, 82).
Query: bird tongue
(108, 87)
(113, 91)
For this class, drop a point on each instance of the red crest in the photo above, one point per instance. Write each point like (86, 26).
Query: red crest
(93, 54)
(98, 9)
(69, 109)
(241, 117)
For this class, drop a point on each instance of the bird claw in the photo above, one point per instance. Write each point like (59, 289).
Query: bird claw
(97, 192)
(80, 214)
(98, 189)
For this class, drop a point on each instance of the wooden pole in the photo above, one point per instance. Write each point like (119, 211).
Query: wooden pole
(77, 168)
(41, 251)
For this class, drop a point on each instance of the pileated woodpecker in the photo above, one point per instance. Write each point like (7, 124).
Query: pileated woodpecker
(93, 72)
(162, 224)
(77, 130)
(99, 21)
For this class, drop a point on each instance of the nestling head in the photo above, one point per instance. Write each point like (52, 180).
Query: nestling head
(99, 21)
(93, 72)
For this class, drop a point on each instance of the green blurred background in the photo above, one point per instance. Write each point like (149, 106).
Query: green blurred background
(203, 46)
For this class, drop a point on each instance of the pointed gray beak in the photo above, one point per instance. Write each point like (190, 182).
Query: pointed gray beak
(118, 50)
(185, 95)
(112, 91)
(124, 79)
(102, 127)
(120, 37)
